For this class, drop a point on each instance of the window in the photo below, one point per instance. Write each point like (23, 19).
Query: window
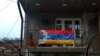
(67, 24)
(72, 24)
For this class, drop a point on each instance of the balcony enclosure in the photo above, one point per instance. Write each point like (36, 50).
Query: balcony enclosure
(83, 24)
(81, 16)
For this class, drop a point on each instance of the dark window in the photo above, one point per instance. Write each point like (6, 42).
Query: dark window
(58, 22)
(68, 25)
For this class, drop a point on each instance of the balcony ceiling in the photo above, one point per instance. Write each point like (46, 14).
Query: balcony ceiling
(57, 6)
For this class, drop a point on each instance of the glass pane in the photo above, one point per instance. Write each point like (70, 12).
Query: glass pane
(58, 22)
(58, 27)
(76, 22)
(68, 25)
(77, 29)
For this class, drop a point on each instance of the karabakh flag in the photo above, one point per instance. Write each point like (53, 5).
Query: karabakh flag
(57, 34)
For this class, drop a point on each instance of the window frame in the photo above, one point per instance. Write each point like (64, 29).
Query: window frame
(68, 19)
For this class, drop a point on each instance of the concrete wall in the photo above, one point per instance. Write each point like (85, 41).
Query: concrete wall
(46, 21)
(90, 25)
(34, 23)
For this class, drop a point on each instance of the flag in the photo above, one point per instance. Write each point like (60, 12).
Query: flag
(57, 34)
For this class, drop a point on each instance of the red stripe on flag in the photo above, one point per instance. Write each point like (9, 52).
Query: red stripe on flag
(59, 32)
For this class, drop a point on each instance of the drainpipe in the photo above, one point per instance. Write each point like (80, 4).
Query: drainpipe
(21, 35)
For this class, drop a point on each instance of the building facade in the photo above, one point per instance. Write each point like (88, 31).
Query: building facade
(82, 16)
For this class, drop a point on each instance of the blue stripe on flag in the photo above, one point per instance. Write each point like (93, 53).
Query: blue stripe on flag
(58, 36)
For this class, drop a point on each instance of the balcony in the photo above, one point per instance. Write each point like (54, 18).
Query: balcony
(57, 46)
